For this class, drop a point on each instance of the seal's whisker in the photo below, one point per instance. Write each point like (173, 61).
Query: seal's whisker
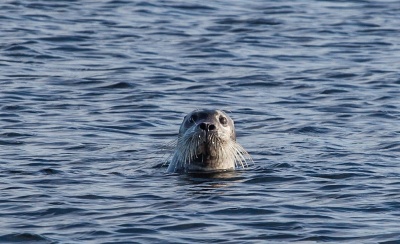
(245, 155)
(167, 147)
(241, 155)
(238, 156)
(191, 149)
(242, 158)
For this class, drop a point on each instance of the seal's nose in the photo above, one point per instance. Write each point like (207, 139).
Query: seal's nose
(207, 126)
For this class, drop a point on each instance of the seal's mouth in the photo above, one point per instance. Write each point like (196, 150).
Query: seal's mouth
(208, 140)
(208, 147)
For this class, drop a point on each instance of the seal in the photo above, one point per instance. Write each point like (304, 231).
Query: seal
(207, 143)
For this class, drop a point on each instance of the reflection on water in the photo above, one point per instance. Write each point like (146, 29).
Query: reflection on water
(208, 181)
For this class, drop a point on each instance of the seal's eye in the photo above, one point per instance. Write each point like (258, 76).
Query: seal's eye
(193, 118)
(223, 120)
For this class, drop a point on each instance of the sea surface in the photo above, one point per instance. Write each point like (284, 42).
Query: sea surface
(92, 93)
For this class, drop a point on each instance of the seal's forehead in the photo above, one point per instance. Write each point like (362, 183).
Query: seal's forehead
(208, 112)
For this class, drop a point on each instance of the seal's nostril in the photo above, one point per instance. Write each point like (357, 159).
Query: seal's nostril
(207, 126)
(203, 126)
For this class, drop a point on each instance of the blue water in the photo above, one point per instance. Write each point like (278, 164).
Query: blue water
(92, 91)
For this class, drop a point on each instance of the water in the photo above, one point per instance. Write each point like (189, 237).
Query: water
(92, 90)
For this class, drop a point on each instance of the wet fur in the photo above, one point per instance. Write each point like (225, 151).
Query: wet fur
(221, 150)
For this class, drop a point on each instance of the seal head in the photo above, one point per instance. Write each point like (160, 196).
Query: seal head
(207, 143)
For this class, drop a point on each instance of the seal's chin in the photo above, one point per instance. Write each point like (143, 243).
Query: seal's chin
(207, 159)
(206, 163)
(207, 150)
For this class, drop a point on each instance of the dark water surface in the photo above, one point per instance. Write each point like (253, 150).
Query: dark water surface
(90, 91)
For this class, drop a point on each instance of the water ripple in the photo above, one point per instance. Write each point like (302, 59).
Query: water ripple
(91, 91)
